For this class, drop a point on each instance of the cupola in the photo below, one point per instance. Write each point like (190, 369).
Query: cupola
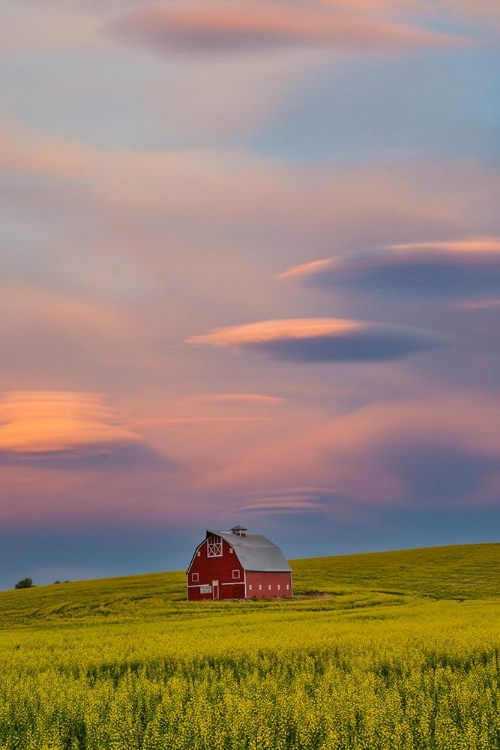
(239, 530)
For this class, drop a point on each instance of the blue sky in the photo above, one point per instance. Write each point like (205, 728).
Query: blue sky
(250, 273)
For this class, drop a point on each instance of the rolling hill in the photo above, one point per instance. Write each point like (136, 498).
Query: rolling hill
(456, 573)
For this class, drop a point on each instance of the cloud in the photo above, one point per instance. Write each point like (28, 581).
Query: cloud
(455, 270)
(236, 399)
(323, 340)
(190, 421)
(68, 430)
(490, 303)
(242, 27)
(287, 501)
(34, 28)
(45, 156)
(440, 451)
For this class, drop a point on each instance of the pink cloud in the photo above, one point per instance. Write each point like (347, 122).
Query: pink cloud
(249, 26)
(235, 399)
(469, 248)
(322, 340)
(291, 500)
(491, 303)
(34, 27)
(55, 342)
(37, 497)
(50, 157)
(442, 450)
(430, 269)
(215, 188)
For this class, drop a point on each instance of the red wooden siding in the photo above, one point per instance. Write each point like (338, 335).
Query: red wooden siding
(268, 584)
(219, 569)
(232, 581)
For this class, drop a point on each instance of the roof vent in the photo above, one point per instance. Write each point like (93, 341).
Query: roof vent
(239, 530)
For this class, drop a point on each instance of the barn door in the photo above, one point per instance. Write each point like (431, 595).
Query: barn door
(215, 589)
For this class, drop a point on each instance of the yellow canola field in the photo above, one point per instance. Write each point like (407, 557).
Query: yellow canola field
(422, 674)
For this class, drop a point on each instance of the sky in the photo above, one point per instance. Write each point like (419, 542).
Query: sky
(249, 274)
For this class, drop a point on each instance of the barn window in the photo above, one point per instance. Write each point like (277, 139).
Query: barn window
(287, 586)
(214, 546)
(279, 587)
(260, 587)
(236, 574)
(269, 587)
(231, 550)
(195, 577)
(198, 554)
(250, 587)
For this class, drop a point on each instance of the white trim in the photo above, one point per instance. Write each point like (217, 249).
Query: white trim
(231, 583)
(215, 546)
(245, 581)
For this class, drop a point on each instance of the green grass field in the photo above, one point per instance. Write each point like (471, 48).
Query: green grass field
(386, 650)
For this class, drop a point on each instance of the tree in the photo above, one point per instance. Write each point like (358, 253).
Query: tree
(26, 583)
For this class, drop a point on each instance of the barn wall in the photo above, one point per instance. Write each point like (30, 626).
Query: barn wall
(262, 584)
(220, 569)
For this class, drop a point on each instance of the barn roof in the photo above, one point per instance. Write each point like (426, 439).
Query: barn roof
(255, 552)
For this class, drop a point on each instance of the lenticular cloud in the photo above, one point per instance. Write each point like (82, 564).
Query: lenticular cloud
(246, 27)
(66, 429)
(323, 340)
(447, 270)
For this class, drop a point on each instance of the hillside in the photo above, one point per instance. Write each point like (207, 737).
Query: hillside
(343, 582)
(469, 571)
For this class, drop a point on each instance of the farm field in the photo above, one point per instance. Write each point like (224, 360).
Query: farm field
(388, 650)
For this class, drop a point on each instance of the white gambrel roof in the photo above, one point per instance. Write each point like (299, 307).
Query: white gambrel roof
(255, 552)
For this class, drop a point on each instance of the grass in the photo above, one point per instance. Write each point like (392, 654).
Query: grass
(396, 650)
(466, 572)
(391, 578)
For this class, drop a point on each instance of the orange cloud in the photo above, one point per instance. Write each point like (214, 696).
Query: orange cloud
(58, 421)
(271, 330)
(471, 246)
(250, 26)
(322, 340)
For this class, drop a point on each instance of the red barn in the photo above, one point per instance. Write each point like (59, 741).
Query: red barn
(236, 565)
